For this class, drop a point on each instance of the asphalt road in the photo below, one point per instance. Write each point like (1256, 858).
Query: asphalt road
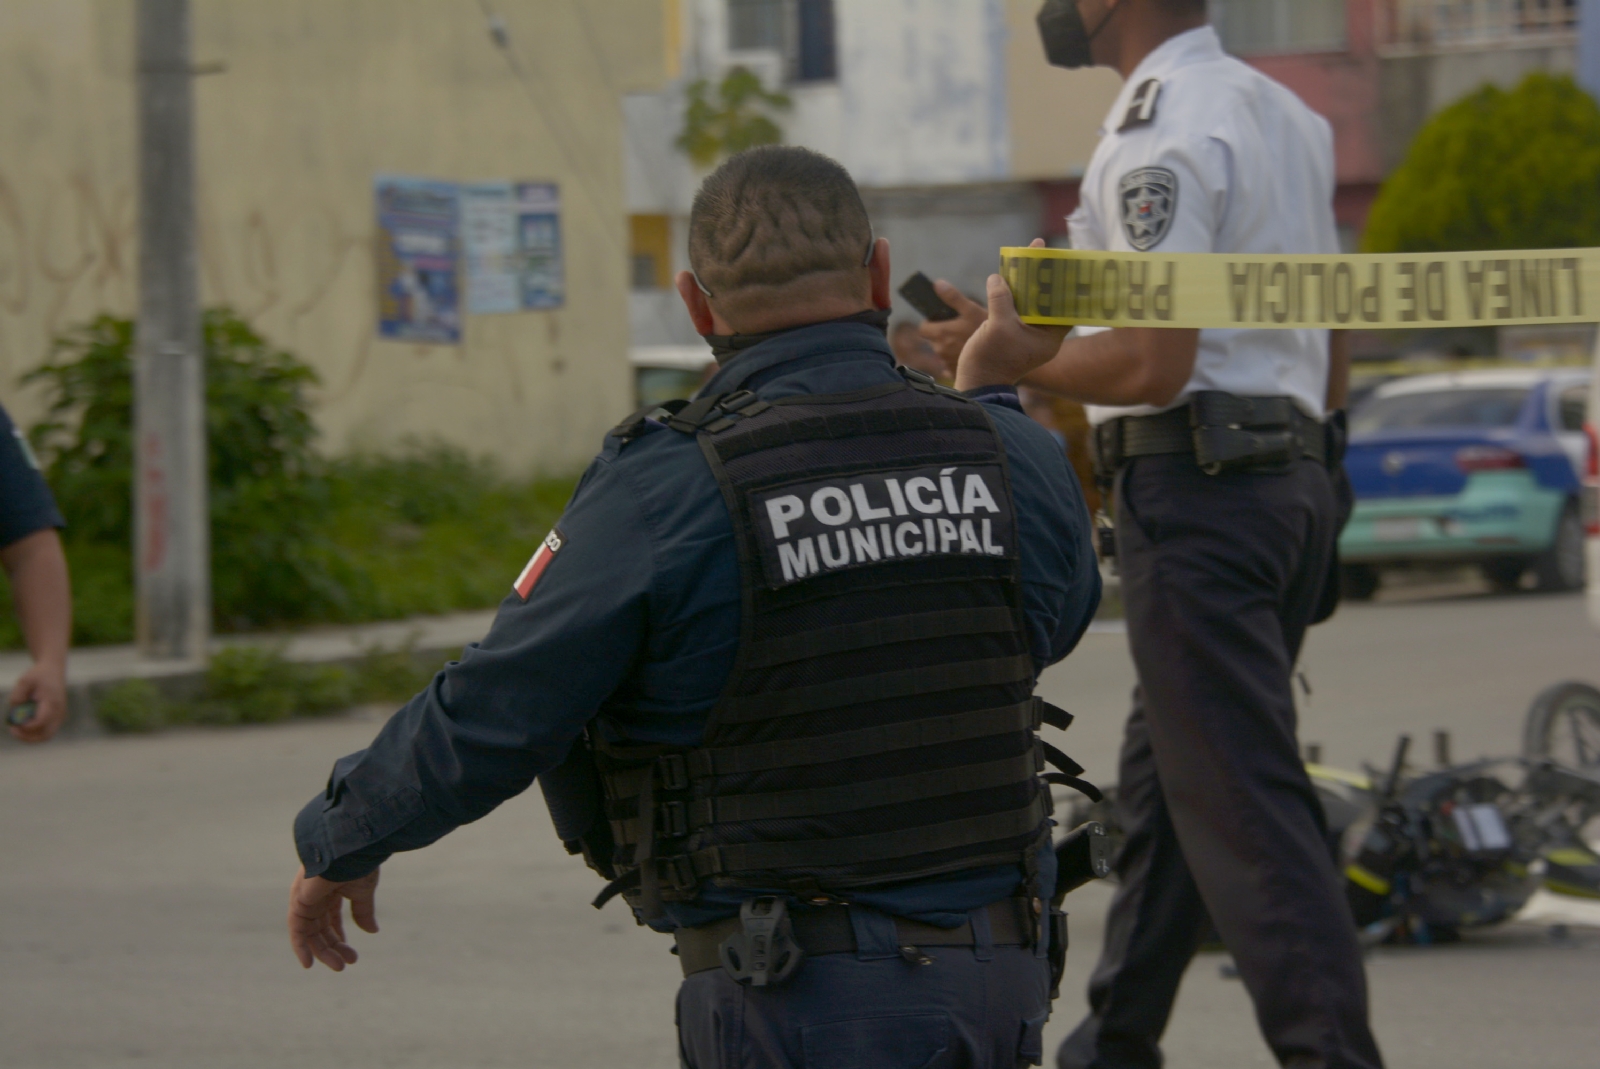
(144, 887)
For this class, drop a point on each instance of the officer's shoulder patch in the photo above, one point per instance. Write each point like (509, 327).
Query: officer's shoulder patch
(1149, 200)
(1142, 108)
(538, 563)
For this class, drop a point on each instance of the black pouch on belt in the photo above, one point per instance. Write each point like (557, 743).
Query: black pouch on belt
(1233, 432)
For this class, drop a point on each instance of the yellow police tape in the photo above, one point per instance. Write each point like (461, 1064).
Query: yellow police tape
(1070, 287)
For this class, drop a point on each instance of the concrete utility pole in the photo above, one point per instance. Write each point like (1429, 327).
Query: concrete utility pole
(172, 533)
(1589, 46)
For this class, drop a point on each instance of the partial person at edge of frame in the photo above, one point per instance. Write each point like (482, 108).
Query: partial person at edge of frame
(31, 555)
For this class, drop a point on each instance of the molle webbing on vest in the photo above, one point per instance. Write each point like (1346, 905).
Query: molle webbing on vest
(878, 725)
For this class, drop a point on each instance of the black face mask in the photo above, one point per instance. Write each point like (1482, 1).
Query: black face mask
(1066, 38)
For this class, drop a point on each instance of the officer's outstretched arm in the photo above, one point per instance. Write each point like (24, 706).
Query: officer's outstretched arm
(316, 917)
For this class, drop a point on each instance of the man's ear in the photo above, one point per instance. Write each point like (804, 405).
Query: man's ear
(881, 275)
(695, 301)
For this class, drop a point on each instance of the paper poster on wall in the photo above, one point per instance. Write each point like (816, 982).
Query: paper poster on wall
(512, 236)
(419, 259)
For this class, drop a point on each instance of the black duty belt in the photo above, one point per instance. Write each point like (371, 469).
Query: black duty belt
(1221, 431)
(827, 930)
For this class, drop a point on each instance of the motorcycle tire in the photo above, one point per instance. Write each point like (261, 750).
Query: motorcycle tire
(1563, 725)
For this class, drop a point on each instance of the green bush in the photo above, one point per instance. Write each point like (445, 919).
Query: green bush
(252, 685)
(294, 538)
(269, 563)
(259, 685)
(134, 705)
(738, 118)
(1497, 170)
(391, 675)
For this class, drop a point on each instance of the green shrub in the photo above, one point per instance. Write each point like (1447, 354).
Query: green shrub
(294, 538)
(255, 685)
(269, 562)
(737, 117)
(1497, 170)
(134, 705)
(258, 685)
(391, 675)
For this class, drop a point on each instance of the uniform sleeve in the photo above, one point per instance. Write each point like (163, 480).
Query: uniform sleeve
(509, 709)
(1060, 575)
(1168, 195)
(26, 505)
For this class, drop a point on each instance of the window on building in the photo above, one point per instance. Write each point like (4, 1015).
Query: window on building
(1254, 27)
(801, 31)
(1458, 22)
(757, 24)
(817, 60)
(650, 252)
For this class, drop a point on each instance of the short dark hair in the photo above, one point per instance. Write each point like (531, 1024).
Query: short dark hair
(774, 216)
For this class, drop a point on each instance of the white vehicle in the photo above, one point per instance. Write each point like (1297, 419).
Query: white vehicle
(669, 372)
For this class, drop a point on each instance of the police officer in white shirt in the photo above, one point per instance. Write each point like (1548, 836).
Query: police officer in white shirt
(1224, 537)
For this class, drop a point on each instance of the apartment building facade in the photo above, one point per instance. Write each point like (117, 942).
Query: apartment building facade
(963, 138)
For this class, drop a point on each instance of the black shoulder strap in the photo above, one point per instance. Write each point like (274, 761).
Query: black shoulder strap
(633, 426)
(925, 383)
(718, 413)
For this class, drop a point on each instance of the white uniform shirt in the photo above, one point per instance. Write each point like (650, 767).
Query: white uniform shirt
(1203, 153)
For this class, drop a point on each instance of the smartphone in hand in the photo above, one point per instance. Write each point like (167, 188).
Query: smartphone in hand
(919, 293)
(21, 713)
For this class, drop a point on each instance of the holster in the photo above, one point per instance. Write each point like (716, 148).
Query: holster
(1222, 431)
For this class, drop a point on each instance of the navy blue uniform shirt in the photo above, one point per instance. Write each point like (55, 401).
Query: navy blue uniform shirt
(635, 620)
(26, 505)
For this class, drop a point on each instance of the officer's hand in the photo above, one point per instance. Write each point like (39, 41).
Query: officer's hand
(948, 336)
(316, 917)
(1005, 349)
(46, 684)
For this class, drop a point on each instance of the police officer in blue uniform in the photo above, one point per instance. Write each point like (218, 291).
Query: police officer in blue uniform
(31, 555)
(773, 670)
(1226, 515)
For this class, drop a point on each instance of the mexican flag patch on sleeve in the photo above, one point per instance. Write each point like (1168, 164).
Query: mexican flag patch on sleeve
(538, 563)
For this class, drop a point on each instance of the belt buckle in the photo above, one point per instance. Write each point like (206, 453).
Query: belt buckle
(762, 952)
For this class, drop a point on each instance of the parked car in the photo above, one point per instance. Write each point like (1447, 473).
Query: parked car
(669, 372)
(1591, 488)
(1471, 467)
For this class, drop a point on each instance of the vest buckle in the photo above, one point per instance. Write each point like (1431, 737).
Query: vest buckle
(673, 772)
(677, 873)
(672, 820)
(763, 951)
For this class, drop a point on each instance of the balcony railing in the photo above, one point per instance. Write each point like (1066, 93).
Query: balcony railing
(1447, 23)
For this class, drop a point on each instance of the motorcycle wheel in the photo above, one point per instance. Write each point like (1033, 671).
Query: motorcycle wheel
(1563, 724)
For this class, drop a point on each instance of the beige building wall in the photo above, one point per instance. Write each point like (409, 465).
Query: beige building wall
(314, 98)
(1055, 114)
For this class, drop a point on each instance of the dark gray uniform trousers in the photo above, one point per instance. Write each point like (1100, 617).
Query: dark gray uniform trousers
(978, 1007)
(1220, 577)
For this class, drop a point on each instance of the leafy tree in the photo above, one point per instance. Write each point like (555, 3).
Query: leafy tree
(1497, 170)
(736, 120)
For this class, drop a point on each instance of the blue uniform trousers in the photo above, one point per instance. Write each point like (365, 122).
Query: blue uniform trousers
(981, 1007)
(1221, 576)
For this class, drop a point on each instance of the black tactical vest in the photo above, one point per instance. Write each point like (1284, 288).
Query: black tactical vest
(878, 725)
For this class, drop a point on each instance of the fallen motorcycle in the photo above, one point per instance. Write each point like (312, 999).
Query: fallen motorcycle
(1427, 855)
